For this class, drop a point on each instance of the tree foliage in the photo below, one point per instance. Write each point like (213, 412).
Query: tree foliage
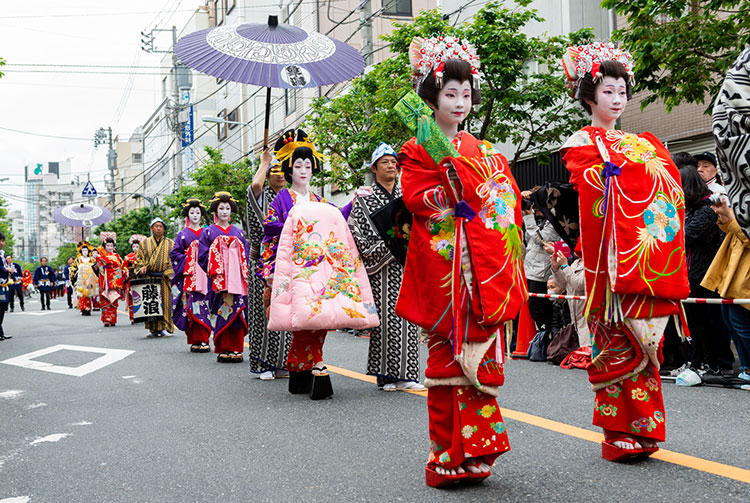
(2, 62)
(524, 98)
(682, 48)
(213, 176)
(63, 252)
(5, 227)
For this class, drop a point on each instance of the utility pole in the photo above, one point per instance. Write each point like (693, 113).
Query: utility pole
(101, 137)
(181, 81)
(365, 18)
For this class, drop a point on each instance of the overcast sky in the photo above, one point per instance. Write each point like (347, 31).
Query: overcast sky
(74, 32)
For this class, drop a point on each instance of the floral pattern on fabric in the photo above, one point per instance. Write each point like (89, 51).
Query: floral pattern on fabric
(309, 249)
(498, 204)
(216, 270)
(441, 223)
(481, 431)
(661, 219)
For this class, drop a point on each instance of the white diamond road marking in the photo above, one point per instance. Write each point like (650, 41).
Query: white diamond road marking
(40, 313)
(109, 356)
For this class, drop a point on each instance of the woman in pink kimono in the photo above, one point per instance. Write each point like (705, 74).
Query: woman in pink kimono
(315, 278)
(222, 253)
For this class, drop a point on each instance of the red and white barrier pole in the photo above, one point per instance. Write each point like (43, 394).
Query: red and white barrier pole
(689, 300)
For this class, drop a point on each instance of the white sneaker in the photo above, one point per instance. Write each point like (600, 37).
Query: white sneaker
(745, 376)
(409, 385)
(164, 333)
(389, 387)
(267, 376)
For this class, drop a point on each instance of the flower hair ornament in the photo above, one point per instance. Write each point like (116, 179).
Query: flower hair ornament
(290, 145)
(429, 55)
(137, 237)
(587, 59)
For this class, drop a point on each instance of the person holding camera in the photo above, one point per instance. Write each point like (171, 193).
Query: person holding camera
(536, 262)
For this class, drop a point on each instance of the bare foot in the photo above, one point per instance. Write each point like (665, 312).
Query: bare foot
(474, 465)
(449, 471)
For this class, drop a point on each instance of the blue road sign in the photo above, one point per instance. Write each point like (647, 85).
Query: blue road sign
(89, 190)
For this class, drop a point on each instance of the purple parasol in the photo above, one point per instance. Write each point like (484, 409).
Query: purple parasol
(81, 215)
(270, 55)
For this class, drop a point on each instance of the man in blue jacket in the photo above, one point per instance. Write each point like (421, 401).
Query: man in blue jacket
(68, 285)
(16, 276)
(44, 281)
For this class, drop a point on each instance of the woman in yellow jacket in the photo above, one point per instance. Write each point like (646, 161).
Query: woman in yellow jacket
(729, 276)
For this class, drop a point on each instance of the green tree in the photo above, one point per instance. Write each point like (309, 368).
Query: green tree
(524, 98)
(6, 228)
(2, 62)
(682, 48)
(63, 252)
(213, 176)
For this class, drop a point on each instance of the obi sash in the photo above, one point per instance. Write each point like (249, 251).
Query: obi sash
(195, 276)
(227, 265)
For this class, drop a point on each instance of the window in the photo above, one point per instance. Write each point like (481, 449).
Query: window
(221, 129)
(220, 11)
(290, 13)
(290, 101)
(231, 4)
(233, 116)
(397, 7)
(137, 157)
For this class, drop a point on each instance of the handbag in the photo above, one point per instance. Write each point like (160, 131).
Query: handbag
(562, 344)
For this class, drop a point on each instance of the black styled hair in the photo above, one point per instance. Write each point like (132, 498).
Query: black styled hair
(193, 202)
(587, 86)
(223, 197)
(454, 69)
(299, 152)
(109, 240)
(693, 186)
(682, 159)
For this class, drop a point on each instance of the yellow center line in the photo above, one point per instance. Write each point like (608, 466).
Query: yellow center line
(677, 458)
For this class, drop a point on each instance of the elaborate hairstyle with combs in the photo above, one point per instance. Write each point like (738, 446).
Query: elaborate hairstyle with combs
(223, 197)
(193, 202)
(293, 145)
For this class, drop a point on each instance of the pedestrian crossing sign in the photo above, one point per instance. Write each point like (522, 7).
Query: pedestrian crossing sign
(89, 190)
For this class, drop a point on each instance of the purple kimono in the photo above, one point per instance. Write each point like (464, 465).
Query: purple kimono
(274, 223)
(187, 307)
(226, 318)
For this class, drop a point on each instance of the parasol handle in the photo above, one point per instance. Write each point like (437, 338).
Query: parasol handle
(268, 117)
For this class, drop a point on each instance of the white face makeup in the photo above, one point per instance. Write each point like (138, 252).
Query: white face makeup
(611, 99)
(454, 104)
(194, 215)
(85, 252)
(109, 247)
(135, 247)
(224, 212)
(301, 174)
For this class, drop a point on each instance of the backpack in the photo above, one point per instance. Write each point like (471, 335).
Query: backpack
(538, 347)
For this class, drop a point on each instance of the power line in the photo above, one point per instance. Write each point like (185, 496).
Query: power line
(45, 135)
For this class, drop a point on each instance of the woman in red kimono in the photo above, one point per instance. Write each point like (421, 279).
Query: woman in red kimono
(127, 267)
(110, 280)
(26, 280)
(448, 283)
(633, 249)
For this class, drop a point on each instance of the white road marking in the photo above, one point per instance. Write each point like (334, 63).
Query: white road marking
(16, 499)
(40, 313)
(36, 405)
(128, 377)
(109, 356)
(82, 423)
(11, 394)
(55, 437)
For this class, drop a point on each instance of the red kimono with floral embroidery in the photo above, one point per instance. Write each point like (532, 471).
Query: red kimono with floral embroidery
(462, 281)
(126, 268)
(110, 282)
(632, 212)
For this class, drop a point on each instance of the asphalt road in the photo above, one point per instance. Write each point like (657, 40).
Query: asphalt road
(163, 424)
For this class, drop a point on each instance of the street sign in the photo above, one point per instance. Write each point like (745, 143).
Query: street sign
(187, 131)
(89, 190)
